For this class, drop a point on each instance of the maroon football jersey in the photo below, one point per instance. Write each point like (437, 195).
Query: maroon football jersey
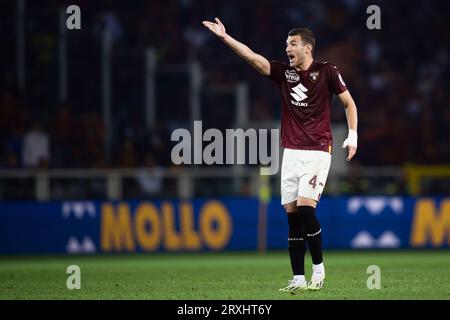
(306, 103)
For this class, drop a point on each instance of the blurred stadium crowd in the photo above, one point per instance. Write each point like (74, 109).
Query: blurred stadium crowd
(399, 76)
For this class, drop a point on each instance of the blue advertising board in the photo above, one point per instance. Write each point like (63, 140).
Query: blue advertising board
(217, 224)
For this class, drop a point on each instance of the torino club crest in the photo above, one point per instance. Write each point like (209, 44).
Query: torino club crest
(313, 76)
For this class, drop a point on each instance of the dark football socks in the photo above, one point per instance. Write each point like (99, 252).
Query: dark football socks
(296, 243)
(313, 232)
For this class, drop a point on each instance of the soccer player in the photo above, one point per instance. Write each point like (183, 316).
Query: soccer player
(306, 87)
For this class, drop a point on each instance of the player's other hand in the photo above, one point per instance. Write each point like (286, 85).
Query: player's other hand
(351, 143)
(216, 27)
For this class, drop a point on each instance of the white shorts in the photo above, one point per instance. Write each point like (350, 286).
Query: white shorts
(303, 174)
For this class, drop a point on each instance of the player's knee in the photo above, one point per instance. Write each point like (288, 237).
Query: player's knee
(290, 207)
(302, 201)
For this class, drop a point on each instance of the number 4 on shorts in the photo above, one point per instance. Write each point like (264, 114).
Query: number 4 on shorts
(313, 181)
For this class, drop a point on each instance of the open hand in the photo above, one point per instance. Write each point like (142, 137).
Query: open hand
(216, 27)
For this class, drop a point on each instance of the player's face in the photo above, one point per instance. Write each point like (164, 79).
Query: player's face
(295, 50)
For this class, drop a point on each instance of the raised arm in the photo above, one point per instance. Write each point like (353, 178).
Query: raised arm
(257, 61)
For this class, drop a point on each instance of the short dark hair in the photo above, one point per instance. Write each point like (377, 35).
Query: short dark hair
(306, 35)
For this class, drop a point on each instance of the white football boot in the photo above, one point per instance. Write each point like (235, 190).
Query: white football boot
(317, 277)
(295, 286)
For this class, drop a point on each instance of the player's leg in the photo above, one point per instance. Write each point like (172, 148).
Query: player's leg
(310, 189)
(307, 209)
(313, 234)
(296, 248)
(296, 239)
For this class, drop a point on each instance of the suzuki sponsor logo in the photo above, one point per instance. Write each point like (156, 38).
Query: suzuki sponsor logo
(299, 95)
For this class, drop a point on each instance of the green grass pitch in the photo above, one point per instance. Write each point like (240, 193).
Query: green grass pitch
(240, 275)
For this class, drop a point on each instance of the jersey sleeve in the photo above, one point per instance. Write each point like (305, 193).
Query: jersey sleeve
(335, 80)
(277, 70)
